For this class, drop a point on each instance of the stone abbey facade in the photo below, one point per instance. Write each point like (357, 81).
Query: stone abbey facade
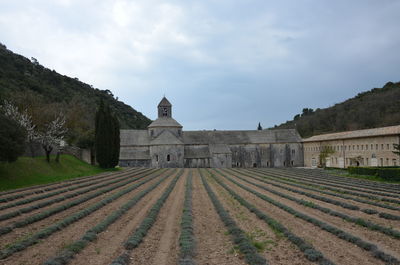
(165, 145)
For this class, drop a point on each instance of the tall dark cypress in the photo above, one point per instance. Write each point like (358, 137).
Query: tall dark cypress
(106, 137)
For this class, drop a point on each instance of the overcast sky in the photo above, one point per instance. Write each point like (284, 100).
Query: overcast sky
(223, 64)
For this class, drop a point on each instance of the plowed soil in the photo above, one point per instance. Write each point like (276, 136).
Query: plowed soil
(213, 244)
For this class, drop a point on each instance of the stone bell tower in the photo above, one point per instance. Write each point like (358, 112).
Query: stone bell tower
(164, 109)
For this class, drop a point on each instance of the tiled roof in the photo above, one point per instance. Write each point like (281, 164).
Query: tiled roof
(391, 130)
(165, 122)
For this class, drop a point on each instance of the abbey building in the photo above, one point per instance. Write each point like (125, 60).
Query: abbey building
(164, 144)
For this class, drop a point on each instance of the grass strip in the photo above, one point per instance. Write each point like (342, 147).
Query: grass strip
(376, 252)
(309, 251)
(65, 256)
(186, 239)
(137, 236)
(356, 220)
(42, 215)
(239, 238)
(46, 232)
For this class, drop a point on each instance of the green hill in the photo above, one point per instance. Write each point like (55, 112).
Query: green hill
(45, 92)
(378, 107)
(27, 171)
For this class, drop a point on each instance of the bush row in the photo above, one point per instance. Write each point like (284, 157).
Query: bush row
(357, 220)
(67, 184)
(136, 238)
(379, 254)
(347, 182)
(238, 236)
(186, 239)
(69, 196)
(46, 232)
(349, 190)
(71, 250)
(42, 215)
(381, 172)
(51, 194)
(328, 200)
(309, 251)
(295, 183)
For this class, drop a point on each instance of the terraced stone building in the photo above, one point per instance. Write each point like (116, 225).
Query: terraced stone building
(164, 144)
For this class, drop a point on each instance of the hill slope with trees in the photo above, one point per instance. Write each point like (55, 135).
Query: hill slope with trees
(378, 107)
(44, 93)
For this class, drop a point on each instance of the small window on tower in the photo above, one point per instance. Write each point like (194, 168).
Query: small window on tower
(168, 158)
(157, 158)
(165, 112)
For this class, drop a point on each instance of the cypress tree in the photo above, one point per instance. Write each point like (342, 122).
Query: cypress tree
(106, 137)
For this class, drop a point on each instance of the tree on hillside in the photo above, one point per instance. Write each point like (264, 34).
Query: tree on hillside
(259, 127)
(12, 139)
(23, 119)
(107, 139)
(53, 136)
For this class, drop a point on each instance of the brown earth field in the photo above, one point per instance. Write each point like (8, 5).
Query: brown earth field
(199, 216)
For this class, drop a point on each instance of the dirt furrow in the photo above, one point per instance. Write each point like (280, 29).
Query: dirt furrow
(373, 218)
(275, 247)
(160, 246)
(359, 204)
(22, 232)
(213, 244)
(50, 246)
(386, 243)
(109, 243)
(335, 249)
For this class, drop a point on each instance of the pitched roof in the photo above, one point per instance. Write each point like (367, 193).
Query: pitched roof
(197, 151)
(134, 137)
(241, 137)
(164, 103)
(391, 130)
(127, 153)
(219, 149)
(166, 138)
(165, 122)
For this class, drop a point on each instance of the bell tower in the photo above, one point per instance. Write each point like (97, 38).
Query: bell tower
(164, 108)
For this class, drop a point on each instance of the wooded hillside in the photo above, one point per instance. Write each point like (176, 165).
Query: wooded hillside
(44, 93)
(378, 107)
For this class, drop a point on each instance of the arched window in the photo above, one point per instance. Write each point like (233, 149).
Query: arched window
(157, 158)
(168, 158)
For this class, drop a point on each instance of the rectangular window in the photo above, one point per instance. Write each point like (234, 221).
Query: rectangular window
(372, 147)
(358, 147)
(387, 161)
(381, 146)
(376, 147)
(381, 162)
(388, 147)
(362, 147)
(354, 147)
(366, 161)
(366, 147)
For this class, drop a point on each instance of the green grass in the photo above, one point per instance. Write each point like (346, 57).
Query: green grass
(344, 173)
(27, 171)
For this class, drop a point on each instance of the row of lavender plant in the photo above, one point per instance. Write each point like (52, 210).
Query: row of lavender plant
(67, 254)
(46, 232)
(363, 244)
(45, 214)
